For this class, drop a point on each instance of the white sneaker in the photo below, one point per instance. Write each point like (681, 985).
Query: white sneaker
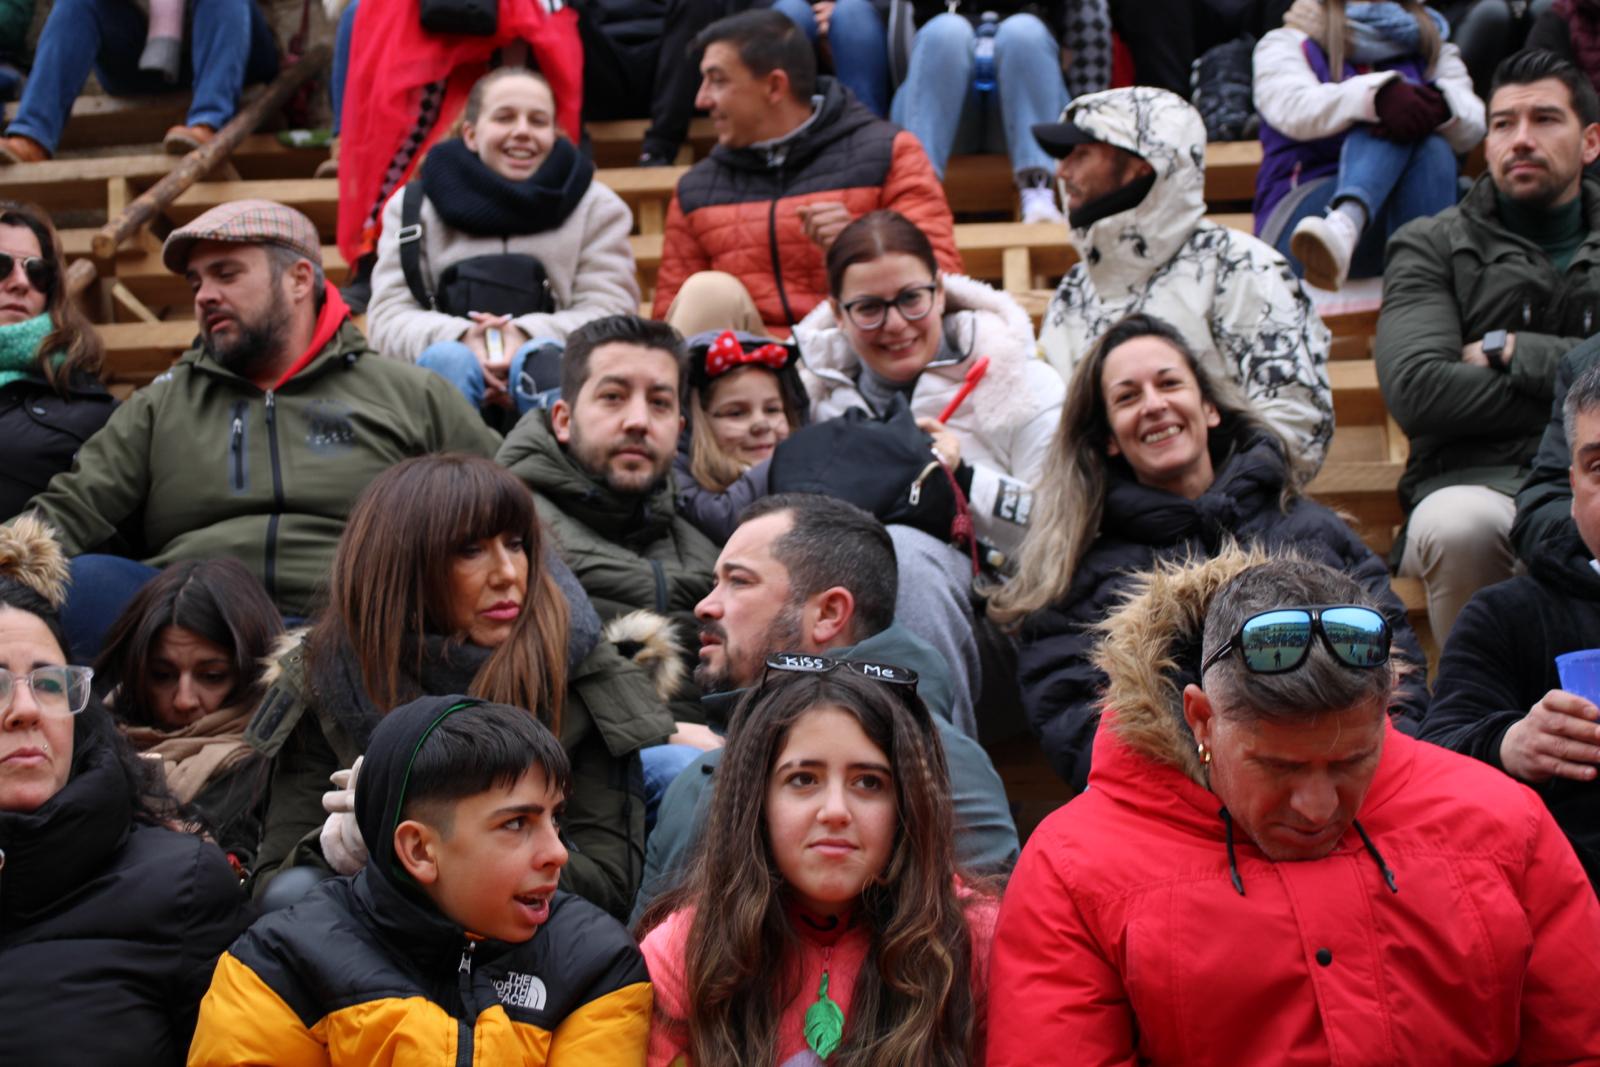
(1324, 245)
(1039, 205)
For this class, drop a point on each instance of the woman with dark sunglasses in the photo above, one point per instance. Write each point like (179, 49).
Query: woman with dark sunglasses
(111, 920)
(51, 399)
(823, 919)
(1155, 460)
(1265, 871)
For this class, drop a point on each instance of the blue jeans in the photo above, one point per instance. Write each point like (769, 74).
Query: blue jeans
(340, 67)
(100, 589)
(229, 44)
(662, 763)
(860, 46)
(458, 364)
(939, 104)
(1394, 182)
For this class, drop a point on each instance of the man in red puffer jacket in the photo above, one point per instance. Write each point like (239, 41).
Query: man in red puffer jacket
(797, 158)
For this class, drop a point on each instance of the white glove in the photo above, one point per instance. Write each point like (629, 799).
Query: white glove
(342, 845)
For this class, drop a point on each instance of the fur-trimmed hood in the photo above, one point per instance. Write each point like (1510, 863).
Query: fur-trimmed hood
(31, 555)
(1150, 649)
(979, 320)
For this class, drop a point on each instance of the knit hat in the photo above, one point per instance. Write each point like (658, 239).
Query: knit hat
(254, 222)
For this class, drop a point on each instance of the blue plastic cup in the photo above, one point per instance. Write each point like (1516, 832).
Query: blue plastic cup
(1580, 673)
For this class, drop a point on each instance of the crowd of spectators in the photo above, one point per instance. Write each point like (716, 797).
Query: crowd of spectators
(510, 677)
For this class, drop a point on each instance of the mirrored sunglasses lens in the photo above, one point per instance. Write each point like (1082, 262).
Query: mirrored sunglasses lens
(1275, 641)
(1360, 636)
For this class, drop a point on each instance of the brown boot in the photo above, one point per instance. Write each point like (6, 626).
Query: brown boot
(181, 140)
(20, 149)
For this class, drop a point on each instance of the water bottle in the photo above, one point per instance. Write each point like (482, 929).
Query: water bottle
(983, 53)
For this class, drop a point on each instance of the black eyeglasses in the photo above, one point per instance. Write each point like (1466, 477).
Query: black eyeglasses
(914, 302)
(40, 272)
(56, 690)
(1277, 641)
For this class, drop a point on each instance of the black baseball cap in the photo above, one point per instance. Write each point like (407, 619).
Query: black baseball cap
(1060, 138)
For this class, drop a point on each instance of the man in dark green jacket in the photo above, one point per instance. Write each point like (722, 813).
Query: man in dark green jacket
(1480, 302)
(817, 575)
(599, 463)
(256, 442)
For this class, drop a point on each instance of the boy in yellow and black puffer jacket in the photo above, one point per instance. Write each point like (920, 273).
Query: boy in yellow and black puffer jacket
(452, 946)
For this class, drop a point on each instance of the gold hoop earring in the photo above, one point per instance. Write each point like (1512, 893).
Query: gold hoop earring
(1204, 753)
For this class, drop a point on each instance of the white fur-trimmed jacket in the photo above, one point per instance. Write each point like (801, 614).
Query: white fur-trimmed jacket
(1004, 427)
(1231, 296)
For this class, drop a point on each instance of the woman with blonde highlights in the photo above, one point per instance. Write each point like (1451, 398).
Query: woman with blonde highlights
(824, 911)
(1154, 460)
(440, 585)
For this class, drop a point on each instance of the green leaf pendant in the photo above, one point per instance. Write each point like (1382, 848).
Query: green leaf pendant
(824, 1024)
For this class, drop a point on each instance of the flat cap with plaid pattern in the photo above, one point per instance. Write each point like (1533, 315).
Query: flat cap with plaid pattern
(253, 222)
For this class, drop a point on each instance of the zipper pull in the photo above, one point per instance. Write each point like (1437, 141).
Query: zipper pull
(238, 433)
(916, 487)
(466, 958)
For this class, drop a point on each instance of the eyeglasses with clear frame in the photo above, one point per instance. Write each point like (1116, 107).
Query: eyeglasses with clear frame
(914, 303)
(56, 690)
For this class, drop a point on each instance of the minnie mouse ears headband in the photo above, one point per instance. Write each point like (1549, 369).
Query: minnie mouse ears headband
(714, 354)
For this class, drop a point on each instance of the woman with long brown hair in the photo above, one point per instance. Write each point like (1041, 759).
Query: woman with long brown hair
(824, 910)
(1364, 109)
(51, 399)
(1155, 460)
(439, 586)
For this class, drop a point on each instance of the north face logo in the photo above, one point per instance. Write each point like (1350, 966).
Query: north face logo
(521, 991)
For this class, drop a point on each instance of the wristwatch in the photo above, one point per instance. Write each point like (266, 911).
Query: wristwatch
(1494, 349)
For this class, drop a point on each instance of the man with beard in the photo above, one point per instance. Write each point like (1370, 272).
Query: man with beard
(816, 575)
(599, 462)
(1480, 303)
(256, 441)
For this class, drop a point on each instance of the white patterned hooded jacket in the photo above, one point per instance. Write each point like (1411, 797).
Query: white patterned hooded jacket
(1232, 296)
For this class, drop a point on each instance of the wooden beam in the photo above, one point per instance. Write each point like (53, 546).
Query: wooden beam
(209, 156)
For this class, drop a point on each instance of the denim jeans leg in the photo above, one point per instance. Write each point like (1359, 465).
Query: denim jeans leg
(799, 13)
(1314, 202)
(1369, 169)
(68, 47)
(860, 46)
(525, 393)
(662, 763)
(1028, 80)
(100, 589)
(938, 86)
(226, 40)
(458, 365)
(341, 61)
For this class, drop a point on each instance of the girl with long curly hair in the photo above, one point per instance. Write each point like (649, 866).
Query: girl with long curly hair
(824, 920)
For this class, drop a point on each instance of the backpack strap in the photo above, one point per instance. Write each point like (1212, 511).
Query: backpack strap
(410, 237)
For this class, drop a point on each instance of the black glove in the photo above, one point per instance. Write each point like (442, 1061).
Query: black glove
(1407, 112)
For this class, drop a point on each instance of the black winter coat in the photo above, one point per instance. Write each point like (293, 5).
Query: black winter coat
(42, 431)
(1501, 660)
(109, 929)
(1141, 525)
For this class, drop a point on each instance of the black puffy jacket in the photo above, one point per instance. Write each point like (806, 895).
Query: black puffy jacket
(1141, 525)
(109, 928)
(42, 431)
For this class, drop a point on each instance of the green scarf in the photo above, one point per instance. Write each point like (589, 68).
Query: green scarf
(19, 347)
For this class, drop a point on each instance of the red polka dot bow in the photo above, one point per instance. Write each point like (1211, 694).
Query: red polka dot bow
(726, 353)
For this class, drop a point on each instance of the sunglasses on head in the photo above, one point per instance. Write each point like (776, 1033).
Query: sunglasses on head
(802, 663)
(40, 272)
(1276, 641)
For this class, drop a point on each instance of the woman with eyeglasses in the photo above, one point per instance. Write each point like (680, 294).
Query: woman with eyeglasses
(440, 585)
(1264, 870)
(110, 921)
(1155, 461)
(896, 326)
(182, 669)
(51, 400)
(823, 919)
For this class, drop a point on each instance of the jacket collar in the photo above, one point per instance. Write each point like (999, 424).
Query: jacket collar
(1481, 207)
(1250, 475)
(341, 344)
(837, 115)
(625, 519)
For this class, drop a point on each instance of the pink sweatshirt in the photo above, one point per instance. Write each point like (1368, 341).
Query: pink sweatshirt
(664, 951)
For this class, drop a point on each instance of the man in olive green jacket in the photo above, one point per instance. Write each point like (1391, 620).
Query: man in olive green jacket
(1480, 302)
(600, 466)
(256, 442)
